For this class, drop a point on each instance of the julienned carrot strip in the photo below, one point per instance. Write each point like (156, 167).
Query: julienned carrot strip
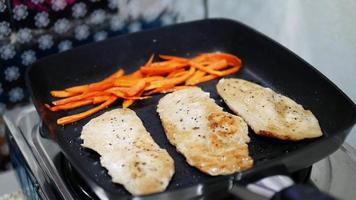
(205, 69)
(73, 105)
(152, 77)
(61, 93)
(161, 70)
(165, 63)
(117, 74)
(77, 89)
(100, 86)
(78, 97)
(129, 91)
(118, 91)
(174, 73)
(93, 86)
(137, 97)
(100, 99)
(174, 81)
(79, 116)
(135, 75)
(218, 65)
(178, 74)
(90, 87)
(127, 102)
(149, 61)
(70, 105)
(206, 78)
(137, 88)
(160, 89)
(183, 78)
(193, 79)
(231, 59)
(230, 71)
(123, 82)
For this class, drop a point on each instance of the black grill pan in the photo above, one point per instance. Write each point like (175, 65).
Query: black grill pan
(264, 61)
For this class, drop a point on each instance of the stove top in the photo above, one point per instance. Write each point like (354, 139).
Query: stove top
(55, 178)
(42, 155)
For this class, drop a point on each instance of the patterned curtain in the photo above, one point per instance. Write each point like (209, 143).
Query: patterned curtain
(31, 29)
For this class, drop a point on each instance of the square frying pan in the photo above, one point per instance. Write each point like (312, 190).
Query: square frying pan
(264, 61)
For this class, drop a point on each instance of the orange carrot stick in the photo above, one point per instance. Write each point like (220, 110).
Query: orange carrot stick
(70, 105)
(100, 99)
(231, 59)
(98, 85)
(61, 93)
(161, 70)
(160, 89)
(123, 82)
(174, 81)
(77, 89)
(79, 116)
(218, 65)
(135, 75)
(78, 97)
(230, 71)
(115, 75)
(193, 79)
(117, 91)
(183, 78)
(178, 74)
(205, 69)
(137, 88)
(127, 102)
(153, 78)
(129, 91)
(174, 73)
(90, 87)
(206, 78)
(149, 61)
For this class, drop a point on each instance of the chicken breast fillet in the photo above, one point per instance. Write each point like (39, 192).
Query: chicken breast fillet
(128, 152)
(268, 113)
(211, 140)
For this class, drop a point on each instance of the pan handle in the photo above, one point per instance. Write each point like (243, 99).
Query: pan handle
(277, 187)
(299, 191)
(272, 182)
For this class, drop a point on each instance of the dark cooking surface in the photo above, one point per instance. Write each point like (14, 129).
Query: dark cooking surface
(264, 62)
(79, 187)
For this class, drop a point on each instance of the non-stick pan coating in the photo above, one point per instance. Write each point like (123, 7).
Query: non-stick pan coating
(264, 61)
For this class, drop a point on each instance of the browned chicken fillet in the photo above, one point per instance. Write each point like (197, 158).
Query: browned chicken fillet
(211, 140)
(128, 152)
(268, 113)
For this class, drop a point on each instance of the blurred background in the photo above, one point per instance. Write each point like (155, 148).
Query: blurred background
(322, 32)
